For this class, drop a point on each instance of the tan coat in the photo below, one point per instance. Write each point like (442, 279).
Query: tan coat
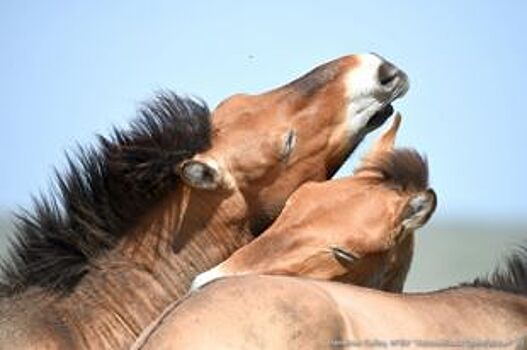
(271, 312)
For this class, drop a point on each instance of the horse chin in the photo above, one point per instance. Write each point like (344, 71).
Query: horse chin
(379, 118)
(373, 123)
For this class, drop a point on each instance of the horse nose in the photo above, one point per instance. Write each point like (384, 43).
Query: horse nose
(388, 73)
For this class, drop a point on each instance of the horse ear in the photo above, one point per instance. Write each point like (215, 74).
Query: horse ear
(387, 140)
(419, 209)
(202, 173)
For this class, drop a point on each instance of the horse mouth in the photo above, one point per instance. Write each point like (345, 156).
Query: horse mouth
(379, 117)
(398, 86)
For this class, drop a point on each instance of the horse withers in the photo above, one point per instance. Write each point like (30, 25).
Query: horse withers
(136, 219)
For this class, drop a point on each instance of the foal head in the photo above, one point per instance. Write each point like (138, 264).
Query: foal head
(353, 229)
(266, 145)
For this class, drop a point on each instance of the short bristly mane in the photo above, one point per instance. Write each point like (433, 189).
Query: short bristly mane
(104, 191)
(402, 168)
(512, 277)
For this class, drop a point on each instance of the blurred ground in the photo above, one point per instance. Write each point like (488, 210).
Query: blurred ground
(446, 253)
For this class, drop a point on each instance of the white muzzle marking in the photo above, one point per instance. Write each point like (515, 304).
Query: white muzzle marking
(365, 94)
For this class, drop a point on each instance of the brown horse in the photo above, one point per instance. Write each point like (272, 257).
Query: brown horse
(363, 235)
(124, 237)
(277, 312)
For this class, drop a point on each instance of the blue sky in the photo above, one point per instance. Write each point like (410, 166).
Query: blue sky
(70, 69)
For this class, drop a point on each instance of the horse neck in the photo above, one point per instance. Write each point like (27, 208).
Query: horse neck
(152, 267)
(398, 263)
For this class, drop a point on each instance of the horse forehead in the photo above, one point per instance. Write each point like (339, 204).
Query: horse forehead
(368, 212)
(256, 117)
(381, 202)
(244, 106)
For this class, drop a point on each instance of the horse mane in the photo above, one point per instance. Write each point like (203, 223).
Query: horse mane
(402, 168)
(511, 277)
(103, 192)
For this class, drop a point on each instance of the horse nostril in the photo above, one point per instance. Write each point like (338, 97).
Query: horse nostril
(387, 73)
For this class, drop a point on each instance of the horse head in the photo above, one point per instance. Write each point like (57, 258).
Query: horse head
(363, 235)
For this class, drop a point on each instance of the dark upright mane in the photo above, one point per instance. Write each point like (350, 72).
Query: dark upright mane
(512, 277)
(104, 191)
(402, 168)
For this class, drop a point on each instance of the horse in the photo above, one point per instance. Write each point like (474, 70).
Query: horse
(138, 216)
(364, 235)
(284, 312)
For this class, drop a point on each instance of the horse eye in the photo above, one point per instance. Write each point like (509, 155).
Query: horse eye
(344, 255)
(289, 145)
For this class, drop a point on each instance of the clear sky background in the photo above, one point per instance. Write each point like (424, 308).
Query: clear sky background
(70, 69)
